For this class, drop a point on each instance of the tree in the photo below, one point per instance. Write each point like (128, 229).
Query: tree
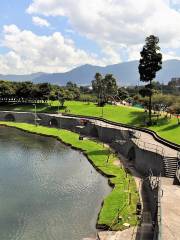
(122, 94)
(61, 98)
(23, 91)
(6, 91)
(70, 85)
(98, 88)
(104, 87)
(110, 85)
(150, 62)
(44, 91)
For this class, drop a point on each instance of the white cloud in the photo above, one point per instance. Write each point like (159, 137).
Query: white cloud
(29, 52)
(70, 31)
(114, 23)
(170, 55)
(40, 22)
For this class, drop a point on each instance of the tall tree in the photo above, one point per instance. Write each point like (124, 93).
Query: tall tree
(150, 62)
(44, 91)
(99, 88)
(104, 87)
(111, 85)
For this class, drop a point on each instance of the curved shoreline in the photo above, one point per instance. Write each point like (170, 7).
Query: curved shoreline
(108, 212)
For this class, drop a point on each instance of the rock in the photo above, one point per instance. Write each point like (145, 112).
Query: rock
(127, 225)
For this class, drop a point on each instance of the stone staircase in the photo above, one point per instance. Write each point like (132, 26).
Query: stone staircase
(170, 166)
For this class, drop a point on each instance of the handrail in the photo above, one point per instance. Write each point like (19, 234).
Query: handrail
(151, 132)
(150, 146)
(158, 230)
(178, 155)
(178, 167)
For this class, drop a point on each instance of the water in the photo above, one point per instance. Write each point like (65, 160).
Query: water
(47, 190)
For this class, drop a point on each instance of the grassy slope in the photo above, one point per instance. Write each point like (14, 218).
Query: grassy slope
(167, 129)
(41, 107)
(117, 202)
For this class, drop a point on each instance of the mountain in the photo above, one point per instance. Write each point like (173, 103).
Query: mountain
(126, 74)
(20, 78)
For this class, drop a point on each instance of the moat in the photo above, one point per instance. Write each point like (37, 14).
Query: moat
(47, 190)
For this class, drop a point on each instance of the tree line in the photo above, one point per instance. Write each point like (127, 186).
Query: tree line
(28, 92)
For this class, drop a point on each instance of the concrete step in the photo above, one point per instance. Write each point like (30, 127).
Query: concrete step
(170, 172)
(171, 164)
(170, 176)
(171, 169)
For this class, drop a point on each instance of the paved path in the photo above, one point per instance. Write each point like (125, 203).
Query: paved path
(170, 204)
(150, 143)
(144, 138)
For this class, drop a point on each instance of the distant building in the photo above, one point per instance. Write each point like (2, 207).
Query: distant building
(175, 79)
(175, 82)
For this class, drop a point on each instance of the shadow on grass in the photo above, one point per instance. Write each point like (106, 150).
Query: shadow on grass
(141, 118)
(98, 152)
(29, 107)
(163, 121)
(137, 118)
(171, 127)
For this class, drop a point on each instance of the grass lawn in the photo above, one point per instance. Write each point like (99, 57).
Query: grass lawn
(166, 128)
(117, 202)
(41, 107)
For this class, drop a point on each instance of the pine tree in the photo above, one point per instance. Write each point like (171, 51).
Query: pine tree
(150, 62)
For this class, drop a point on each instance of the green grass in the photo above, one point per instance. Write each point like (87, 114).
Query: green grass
(166, 128)
(41, 107)
(117, 202)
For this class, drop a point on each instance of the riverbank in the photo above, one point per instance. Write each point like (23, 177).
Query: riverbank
(166, 127)
(120, 205)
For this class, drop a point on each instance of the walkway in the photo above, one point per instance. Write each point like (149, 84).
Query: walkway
(170, 204)
(143, 137)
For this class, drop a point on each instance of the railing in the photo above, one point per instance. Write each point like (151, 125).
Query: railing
(178, 155)
(150, 146)
(151, 132)
(159, 211)
(178, 167)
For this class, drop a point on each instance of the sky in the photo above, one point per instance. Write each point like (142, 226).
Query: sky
(59, 35)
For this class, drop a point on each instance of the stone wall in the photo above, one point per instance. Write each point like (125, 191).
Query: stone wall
(18, 116)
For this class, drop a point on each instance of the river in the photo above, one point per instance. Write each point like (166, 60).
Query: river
(48, 191)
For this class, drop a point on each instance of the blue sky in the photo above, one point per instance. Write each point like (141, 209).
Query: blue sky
(14, 12)
(58, 35)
